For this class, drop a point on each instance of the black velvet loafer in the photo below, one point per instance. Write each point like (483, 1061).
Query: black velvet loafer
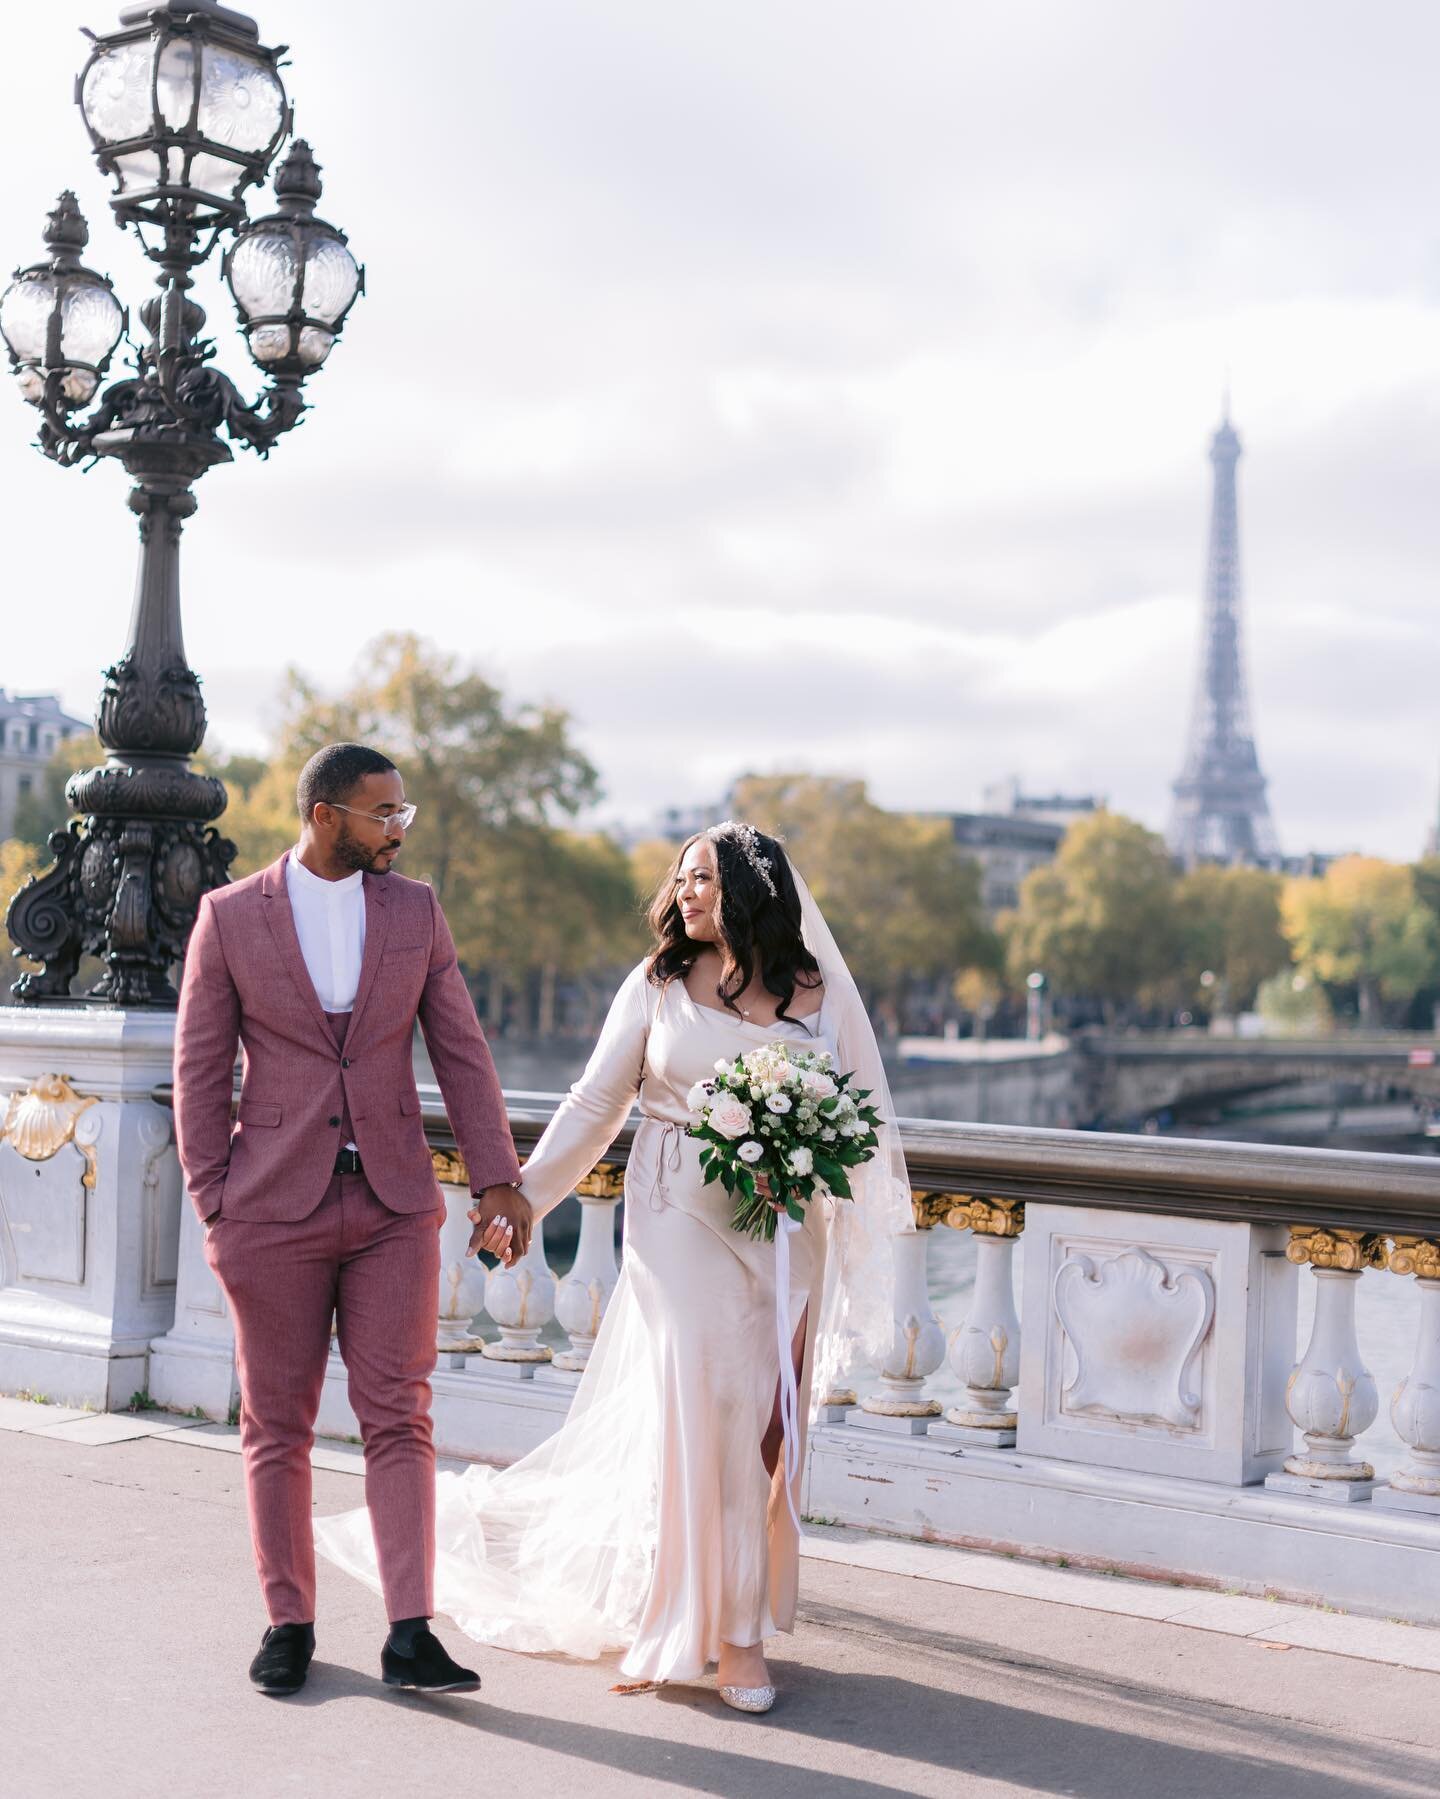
(283, 1660)
(428, 1670)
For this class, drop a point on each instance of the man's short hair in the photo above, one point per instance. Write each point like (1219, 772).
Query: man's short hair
(332, 774)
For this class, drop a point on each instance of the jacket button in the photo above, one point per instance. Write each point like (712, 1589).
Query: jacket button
(336, 1123)
(344, 1061)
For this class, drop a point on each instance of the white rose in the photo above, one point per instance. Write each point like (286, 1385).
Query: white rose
(730, 1116)
(827, 1135)
(801, 1161)
(778, 1103)
(751, 1151)
(818, 1085)
(849, 1127)
(721, 1067)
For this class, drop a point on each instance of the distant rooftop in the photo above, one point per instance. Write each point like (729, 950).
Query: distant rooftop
(40, 707)
(1006, 799)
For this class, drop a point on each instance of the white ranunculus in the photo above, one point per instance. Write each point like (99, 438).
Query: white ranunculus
(699, 1096)
(778, 1103)
(751, 1151)
(730, 1116)
(801, 1161)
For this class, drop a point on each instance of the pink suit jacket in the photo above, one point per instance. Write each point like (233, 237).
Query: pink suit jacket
(246, 984)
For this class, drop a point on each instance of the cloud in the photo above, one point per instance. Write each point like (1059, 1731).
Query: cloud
(826, 385)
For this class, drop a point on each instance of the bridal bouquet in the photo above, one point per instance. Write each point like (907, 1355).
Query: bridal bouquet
(784, 1113)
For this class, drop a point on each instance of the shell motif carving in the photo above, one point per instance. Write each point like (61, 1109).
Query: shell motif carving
(1135, 1328)
(41, 1121)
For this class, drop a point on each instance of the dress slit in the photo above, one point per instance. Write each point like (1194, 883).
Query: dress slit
(797, 1358)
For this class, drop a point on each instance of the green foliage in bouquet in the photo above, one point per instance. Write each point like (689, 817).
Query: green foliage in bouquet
(783, 1113)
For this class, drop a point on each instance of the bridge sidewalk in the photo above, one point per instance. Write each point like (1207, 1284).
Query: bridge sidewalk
(128, 1611)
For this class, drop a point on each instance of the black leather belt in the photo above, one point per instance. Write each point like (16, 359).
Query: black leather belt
(348, 1162)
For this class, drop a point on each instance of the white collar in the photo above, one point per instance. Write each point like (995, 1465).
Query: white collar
(296, 867)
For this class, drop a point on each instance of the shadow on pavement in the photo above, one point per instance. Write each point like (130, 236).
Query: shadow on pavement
(764, 1767)
(1035, 1745)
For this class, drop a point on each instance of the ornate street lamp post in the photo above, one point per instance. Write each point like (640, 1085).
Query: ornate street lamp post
(186, 110)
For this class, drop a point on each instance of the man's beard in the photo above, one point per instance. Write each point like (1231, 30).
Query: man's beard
(353, 854)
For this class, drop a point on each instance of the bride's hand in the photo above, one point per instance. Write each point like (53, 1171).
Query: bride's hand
(762, 1187)
(502, 1220)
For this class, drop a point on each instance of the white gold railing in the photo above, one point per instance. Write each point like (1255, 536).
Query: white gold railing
(1157, 1249)
(1122, 1382)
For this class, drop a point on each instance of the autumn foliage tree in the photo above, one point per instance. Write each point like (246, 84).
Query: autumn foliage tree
(1363, 926)
(1229, 926)
(1100, 922)
(528, 899)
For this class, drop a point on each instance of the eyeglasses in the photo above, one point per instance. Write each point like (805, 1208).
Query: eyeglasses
(405, 817)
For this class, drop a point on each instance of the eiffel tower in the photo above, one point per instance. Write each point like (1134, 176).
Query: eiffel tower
(1221, 813)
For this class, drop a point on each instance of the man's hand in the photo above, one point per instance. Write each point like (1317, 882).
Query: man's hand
(503, 1223)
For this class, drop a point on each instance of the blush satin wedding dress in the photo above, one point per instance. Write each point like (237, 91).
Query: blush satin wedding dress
(647, 1523)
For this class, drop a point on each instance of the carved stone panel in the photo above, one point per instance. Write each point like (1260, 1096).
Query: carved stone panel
(160, 1183)
(43, 1207)
(1135, 1329)
(1156, 1344)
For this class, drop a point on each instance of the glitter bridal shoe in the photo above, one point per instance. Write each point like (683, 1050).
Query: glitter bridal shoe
(748, 1699)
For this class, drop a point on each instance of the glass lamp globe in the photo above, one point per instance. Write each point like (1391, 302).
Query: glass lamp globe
(186, 109)
(58, 317)
(292, 275)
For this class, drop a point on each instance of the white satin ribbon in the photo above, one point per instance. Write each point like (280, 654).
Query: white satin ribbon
(785, 1225)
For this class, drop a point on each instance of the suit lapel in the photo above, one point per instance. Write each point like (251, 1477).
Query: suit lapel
(281, 920)
(377, 907)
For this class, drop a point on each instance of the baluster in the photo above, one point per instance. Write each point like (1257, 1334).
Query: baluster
(918, 1348)
(1331, 1397)
(985, 1351)
(462, 1278)
(1415, 1408)
(585, 1292)
(521, 1300)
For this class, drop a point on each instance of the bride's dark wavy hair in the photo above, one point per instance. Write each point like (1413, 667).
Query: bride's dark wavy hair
(759, 931)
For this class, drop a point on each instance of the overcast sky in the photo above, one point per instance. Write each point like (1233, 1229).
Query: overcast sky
(823, 385)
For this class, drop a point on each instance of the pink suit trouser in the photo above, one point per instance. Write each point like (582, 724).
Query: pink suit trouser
(376, 1273)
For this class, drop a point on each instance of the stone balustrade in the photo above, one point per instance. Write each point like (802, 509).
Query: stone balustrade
(1125, 1389)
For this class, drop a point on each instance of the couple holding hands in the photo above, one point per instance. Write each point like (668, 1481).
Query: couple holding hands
(658, 1522)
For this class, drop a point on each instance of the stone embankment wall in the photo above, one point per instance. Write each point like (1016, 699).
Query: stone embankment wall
(1004, 1082)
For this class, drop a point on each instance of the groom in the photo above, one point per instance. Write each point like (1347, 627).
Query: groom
(321, 1201)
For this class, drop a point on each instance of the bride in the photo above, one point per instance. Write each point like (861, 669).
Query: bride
(660, 1518)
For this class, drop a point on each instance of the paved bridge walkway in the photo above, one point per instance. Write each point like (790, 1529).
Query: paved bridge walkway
(128, 1612)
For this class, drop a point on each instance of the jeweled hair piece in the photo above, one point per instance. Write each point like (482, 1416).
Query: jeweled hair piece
(748, 839)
